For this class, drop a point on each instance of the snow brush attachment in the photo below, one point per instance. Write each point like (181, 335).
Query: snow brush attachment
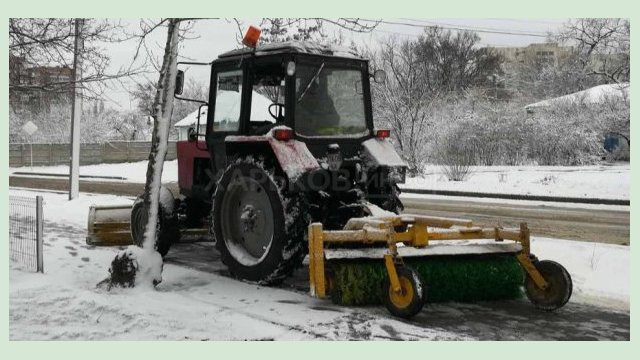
(405, 261)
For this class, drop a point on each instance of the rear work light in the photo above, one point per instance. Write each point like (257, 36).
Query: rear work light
(283, 134)
(251, 37)
(383, 134)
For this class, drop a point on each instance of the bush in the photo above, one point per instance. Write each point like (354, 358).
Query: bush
(476, 131)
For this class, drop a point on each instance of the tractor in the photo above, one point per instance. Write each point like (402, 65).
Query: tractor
(288, 139)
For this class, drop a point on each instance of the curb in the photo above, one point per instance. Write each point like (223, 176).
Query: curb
(518, 197)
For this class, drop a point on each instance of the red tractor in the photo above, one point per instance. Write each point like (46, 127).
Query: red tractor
(288, 139)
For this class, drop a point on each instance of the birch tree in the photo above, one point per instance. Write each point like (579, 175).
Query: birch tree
(162, 109)
(136, 266)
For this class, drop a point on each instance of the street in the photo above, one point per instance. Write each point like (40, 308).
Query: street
(563, 222)
(503, 320)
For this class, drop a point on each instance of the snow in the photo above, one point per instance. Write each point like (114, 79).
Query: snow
(148, 264)
(192, 118)
(167, 201)
(133, 172)
(594, 181)
(382, 153)
(64, 303)
(305, 47)
(600, 272)
(377, 211)
(474, 200)
(436, 248)
(595, 95)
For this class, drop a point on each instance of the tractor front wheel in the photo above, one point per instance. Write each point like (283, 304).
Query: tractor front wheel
(407, 302)
(167, 231)
(557, 293)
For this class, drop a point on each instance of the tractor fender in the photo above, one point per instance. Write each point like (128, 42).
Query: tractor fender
(380, 152)
(293, 156)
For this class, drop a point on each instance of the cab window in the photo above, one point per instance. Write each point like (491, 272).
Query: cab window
(226, 115)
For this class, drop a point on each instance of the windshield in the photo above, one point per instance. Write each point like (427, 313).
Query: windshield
(329, 101)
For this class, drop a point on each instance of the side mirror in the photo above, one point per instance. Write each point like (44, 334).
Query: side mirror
(192, 135)
(179, 83)
(380, 76)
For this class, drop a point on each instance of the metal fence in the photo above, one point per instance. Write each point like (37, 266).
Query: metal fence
(25, 232)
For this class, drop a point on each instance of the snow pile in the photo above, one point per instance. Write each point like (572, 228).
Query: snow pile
(147, 266)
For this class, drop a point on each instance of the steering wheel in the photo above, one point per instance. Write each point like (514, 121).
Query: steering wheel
(279, 111)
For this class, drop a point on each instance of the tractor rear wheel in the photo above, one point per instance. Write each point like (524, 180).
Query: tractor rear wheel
(258, 226)
(167, 231)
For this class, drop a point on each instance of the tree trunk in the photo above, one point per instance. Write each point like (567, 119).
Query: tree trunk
(162, 109)
(135, 266)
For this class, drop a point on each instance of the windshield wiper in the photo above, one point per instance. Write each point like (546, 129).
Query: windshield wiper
(311, 81)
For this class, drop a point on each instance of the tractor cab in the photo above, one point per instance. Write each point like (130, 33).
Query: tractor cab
(319, 92)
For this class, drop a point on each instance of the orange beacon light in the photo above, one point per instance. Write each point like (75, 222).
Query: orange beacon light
(251, 37)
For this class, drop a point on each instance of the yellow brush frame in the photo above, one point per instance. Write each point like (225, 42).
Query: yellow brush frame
(414, 232)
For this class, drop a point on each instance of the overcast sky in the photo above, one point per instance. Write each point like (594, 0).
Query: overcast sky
(217, 36)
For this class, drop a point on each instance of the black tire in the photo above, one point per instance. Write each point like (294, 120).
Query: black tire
(559, 290)
(279, 254)
(167, 231)
(411, 301)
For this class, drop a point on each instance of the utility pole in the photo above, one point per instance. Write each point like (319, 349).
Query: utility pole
(76, 112)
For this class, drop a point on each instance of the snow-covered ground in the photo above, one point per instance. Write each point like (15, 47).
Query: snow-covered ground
(596, 181)
(63, 303)
(135, 172)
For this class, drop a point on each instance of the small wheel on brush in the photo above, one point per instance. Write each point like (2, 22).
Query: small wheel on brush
(559, 290)
(167, 231)
(410, 299)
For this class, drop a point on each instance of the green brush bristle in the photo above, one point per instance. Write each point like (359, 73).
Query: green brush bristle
(447, 278)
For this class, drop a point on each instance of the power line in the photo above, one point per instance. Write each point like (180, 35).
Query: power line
(457, 28)
(418, 35)
(527, 21)
(475, 28)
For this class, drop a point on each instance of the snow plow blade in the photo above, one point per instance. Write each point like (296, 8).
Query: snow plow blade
(109, 225)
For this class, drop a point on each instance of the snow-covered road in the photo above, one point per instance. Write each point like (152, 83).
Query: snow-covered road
(196, 300)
